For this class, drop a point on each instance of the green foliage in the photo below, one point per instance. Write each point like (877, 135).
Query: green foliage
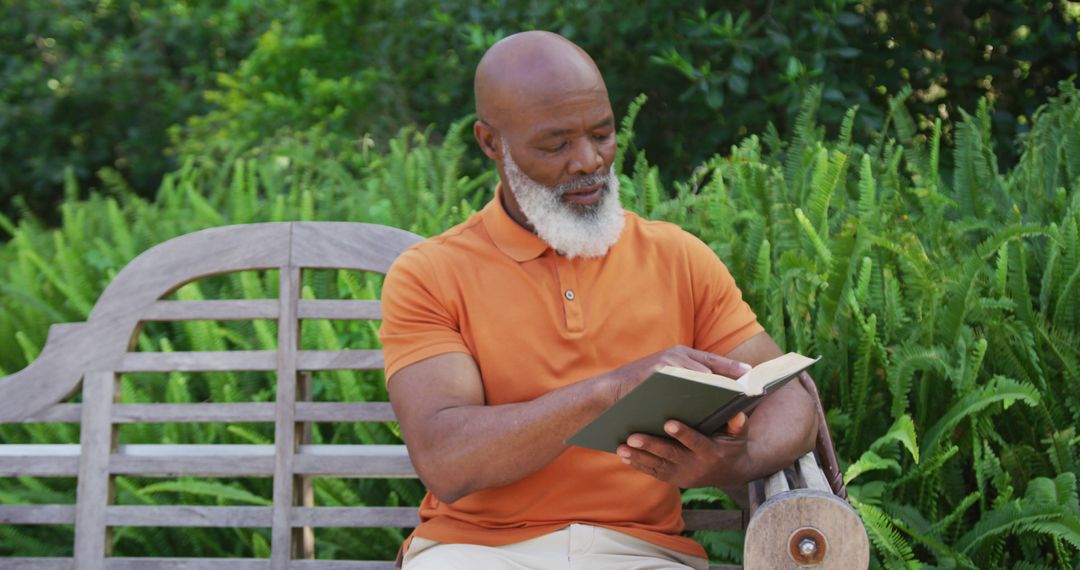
(948, 325)
(93, 85)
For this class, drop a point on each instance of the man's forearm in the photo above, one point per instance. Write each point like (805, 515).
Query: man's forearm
(781, 429)
(475, 447)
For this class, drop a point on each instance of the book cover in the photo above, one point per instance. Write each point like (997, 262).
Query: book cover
(698, 399)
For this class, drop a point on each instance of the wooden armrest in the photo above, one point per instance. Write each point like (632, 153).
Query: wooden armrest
(798, 521)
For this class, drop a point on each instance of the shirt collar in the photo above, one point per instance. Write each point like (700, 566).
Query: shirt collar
(513, 240)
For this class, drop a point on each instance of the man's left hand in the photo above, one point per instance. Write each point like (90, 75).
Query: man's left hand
(692, 459)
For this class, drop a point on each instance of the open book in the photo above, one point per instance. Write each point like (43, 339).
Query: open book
(701, 400)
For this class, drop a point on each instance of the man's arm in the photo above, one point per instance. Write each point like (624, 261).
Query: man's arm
(459, 445)
(780, 430)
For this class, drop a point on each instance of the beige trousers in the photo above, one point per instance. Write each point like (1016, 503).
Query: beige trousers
(576, 547)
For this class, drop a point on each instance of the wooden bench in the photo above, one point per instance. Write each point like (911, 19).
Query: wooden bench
(794, 517)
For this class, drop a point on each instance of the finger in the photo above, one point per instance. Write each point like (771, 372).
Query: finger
(690, 438)
(689, 363)
(736, 424)
(663, 449)
(719, 364)
(640, 460)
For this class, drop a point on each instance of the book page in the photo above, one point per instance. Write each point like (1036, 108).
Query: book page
(769, 371)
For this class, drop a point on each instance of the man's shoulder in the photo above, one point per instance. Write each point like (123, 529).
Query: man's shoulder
(447, 247)
(659, 234)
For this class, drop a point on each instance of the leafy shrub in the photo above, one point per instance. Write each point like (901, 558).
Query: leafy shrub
(87, 85)
(713, 74)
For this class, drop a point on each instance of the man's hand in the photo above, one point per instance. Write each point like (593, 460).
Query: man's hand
(625, 378)
(692, 459)
(782, 428)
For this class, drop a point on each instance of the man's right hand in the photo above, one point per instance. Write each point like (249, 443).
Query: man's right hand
(625, 378)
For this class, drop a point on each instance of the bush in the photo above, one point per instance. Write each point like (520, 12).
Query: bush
(92, 85)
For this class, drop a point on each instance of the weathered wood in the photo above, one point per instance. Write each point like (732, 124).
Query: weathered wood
(93, 493)
(344, 412)
(348, 245)
(187, 564)
(365, 461)
(60, 413)
(217, 465)
(37, 514)
(285, 444)
(340, 360)
(211, 460)
(340, 310)
(355, 517)
(193, 413)
(216, 310)
(776, 483)
(43, 460)
(811, 474)
(43, 563)
(188, 516)
(209, 412)
(839, 539)
(258, 360)
(341, 565)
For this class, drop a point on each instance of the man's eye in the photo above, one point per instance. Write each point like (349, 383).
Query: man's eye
(602, 136)
(557, 147)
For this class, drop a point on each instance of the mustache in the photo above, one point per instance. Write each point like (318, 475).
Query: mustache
(584, 182)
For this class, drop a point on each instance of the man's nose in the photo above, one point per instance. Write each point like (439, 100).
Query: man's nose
(586, 158)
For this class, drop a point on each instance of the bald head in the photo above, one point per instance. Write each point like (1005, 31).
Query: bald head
(531, 68)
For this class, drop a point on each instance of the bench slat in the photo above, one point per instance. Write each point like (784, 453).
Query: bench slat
(217, 310)
(188, 516)
(35, 563)
(340, 310)
(355, 517)
(339, 360)
(257, 360)
(344, 412)
(37, 514)
(222, 460)
(235, 412)
(187, 563)
(259, 517)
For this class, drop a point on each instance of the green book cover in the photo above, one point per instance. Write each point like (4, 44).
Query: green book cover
(699, 399)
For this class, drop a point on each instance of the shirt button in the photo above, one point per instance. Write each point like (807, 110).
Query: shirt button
(569, 295)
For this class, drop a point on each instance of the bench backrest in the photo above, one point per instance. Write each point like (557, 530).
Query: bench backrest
(94, 353)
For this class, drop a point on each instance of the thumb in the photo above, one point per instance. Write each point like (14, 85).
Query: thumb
(736, 424)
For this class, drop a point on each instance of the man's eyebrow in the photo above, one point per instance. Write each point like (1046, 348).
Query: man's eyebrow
(607, 122)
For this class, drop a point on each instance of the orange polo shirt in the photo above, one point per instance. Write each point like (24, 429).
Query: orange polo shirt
(535, 321)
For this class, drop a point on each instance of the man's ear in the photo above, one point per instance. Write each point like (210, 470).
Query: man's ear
(488, 139)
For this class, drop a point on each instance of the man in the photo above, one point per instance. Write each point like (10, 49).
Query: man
(508, 333)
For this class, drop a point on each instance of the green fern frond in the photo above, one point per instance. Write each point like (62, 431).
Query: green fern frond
(999, 389)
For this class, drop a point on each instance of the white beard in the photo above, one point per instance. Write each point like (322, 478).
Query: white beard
(586, 231)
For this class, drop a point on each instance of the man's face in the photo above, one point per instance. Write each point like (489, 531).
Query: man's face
(560, 140)
(560, 216)
(556, 156)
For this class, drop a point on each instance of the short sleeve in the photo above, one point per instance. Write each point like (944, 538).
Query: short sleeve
(722, 319)
(415, 321)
